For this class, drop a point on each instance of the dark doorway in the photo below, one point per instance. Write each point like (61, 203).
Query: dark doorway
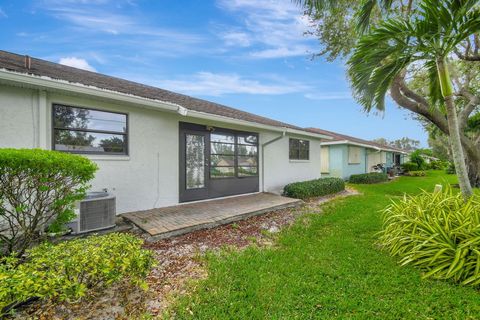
(397, 159)
(216, 162)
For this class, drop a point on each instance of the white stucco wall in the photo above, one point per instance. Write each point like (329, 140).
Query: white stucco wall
(279, 170)
(18, 114)
(149, 176)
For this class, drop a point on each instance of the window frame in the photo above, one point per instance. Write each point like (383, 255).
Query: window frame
(298, 158)
(236, 134)
(125, 134)
(359, 151)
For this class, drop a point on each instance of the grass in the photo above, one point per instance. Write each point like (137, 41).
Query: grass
(328, 266)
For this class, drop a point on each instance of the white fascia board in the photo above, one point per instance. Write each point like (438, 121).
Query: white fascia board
(214, 117)
(49, 83)
(361, 145)
(350, 143)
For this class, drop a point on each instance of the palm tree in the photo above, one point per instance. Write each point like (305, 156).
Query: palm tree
(426, 40)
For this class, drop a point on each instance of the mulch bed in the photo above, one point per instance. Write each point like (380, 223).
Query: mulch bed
(178, 264)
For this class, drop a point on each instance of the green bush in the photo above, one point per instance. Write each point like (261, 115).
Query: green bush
(314, 188)
(438, 165)
(416, 157)
(437, 232)
(417, 173)
(66, 271)
(410, 166)
(38, 189)
(450, 168)
(367, 178)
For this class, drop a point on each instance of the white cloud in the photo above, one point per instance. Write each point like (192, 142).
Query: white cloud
(76, 63)
(276, 27)
(3, 14)
(235, 38)
(214, 84)
(98, 16)
(281, 52)
(342, 95)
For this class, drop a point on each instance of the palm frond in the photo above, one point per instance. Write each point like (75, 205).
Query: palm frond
(377, 60)
(434, 93)
(316, 5)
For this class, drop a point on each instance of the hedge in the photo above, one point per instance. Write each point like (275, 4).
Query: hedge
(314, 188)
(367, 178)
(70, 269)
(409, 166)
(419, 173)
(38, 189)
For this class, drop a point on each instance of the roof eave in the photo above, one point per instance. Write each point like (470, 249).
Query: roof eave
(50, 83)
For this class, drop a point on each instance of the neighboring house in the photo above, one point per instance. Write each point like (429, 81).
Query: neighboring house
(344, 155)
(154, 148)
(428, 159)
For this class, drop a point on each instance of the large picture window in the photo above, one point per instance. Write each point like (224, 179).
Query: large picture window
(82, 130)
(233, 154)
(299, 149)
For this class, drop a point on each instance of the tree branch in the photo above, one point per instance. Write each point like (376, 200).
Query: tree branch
(463, 115)
(410, 100)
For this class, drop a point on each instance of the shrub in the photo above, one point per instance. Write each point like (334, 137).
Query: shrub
(417, 173)
(409, 166)
(437, 232)
(451, 168)
(314, 188)
(416, 157)
(66, 271)
(372, 177)
(38, 189)
(437, 165)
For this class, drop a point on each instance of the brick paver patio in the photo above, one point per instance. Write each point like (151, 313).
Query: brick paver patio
(171, 221)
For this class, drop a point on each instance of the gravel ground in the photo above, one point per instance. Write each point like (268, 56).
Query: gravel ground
(179, 263)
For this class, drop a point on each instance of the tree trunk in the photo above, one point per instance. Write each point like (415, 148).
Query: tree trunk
(415, 104)
(457, 149)
(473, 172)
(454, 129)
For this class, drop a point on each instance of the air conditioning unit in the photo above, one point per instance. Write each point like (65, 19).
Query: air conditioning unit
(96, 212)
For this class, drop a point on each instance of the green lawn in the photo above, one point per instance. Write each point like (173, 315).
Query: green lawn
(328, 266)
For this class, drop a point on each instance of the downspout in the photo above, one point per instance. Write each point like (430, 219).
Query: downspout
(263, 155)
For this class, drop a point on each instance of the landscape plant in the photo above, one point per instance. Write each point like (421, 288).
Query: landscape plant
(314, 188)
(438, 232)
(367, 178)
(70, 269)
(409, 166)
(416, 157)
(418, 173)
(38, 189)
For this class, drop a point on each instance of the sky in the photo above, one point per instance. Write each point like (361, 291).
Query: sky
(247, 54)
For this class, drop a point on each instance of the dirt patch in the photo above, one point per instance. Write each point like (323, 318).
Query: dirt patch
(178, 262)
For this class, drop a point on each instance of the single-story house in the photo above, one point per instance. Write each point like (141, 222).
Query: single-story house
(154, 147)
(344, 155)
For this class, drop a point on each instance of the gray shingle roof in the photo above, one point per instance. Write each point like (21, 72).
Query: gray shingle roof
(15, 62)
(342, 137)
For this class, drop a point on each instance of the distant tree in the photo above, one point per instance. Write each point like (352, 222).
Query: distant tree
(113, 144)
(394, 35)
(404, 143)
(382, 141)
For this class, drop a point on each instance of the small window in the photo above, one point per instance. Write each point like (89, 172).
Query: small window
(299, 149)
(354, 155)
(81, 130)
